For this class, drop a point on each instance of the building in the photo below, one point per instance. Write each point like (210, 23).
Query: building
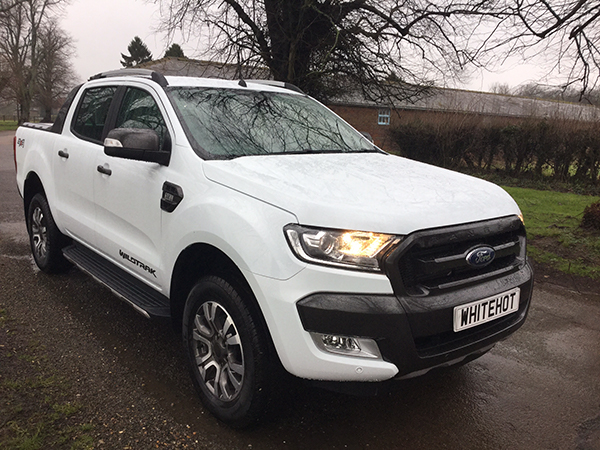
(377, 118)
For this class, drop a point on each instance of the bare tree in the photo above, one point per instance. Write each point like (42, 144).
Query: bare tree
(561, 93)
(317, 43)
(501, 88)
(565, 32)
(7, 5)
(55, 73)
(19, 46)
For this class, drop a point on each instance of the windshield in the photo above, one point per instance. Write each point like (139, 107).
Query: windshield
(226, 123)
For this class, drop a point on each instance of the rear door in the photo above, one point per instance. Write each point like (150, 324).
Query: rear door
(75, 154)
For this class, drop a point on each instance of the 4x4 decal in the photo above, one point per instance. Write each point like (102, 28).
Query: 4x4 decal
(135, 262)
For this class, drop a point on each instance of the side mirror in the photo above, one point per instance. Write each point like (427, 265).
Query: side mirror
(367, 136)
(140, 144)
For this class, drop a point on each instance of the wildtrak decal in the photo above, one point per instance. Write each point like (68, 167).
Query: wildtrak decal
(138, 263)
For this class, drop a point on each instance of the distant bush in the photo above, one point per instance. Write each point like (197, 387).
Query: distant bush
(591, 217)
(566, 151)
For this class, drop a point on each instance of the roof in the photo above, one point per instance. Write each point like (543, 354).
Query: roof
(186, 67)
(485, 103)
(436, 99)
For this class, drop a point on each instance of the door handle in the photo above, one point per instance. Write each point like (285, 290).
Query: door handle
(104, 170)
(63, 154)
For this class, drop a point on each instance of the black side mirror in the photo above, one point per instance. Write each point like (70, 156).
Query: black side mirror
(140, 144)
(368, 136)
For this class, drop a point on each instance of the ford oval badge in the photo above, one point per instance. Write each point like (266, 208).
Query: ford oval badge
(481, 256)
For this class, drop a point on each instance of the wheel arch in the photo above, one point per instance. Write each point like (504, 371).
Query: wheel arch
(33, 185)
(199, 260)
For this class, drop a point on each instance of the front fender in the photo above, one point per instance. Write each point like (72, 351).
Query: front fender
(248, 231)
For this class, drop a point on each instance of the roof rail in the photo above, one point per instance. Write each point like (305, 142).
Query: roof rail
(144, 73)
(281, 84)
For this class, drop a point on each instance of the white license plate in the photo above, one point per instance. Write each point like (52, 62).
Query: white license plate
(486, 310)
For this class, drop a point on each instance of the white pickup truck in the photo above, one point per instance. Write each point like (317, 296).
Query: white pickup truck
(272, 233)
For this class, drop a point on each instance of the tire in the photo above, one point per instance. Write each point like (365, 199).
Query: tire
(45, 238)
(228, 352)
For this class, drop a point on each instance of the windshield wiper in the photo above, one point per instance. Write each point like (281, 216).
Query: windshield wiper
(361, 150)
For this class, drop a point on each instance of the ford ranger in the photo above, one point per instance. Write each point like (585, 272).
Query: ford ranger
(274, 235)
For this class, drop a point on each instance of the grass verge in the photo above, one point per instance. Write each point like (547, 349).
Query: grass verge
(8, 125)
(554, 237)
(36, 411)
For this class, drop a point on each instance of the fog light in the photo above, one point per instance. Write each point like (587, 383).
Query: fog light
(346, 345)
(343, 343)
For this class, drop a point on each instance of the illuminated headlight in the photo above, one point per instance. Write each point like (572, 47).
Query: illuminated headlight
(342, 248)
(522, 218)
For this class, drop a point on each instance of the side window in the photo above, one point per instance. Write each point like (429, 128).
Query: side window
(92, 112)
(139, 110)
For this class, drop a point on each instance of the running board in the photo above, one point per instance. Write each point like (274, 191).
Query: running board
(143, 298)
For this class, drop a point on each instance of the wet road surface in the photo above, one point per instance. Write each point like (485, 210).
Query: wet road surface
(540, 389)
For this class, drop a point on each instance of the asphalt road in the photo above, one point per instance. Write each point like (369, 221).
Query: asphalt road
(540, 389)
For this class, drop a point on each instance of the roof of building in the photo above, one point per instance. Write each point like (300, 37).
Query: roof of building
(487, 103)
(436, 99)
(204, 69)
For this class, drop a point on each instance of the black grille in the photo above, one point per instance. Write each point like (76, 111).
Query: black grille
(432, 261)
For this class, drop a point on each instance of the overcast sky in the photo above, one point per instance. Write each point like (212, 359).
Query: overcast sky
(102, 30)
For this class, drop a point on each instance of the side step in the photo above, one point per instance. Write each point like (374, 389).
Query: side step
(143, 298)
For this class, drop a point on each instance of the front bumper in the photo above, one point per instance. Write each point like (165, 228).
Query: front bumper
(416, 333)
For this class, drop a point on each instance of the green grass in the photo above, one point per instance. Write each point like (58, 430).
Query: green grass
(8, 125)
(37, 410)
(41, 416)
(554, 237)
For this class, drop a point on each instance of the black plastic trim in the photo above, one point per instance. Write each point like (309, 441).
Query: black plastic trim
(416, 333)
(172, 195)
(348, 314)
(103, 170)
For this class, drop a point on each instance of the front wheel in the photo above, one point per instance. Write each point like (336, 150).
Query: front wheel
(45, 238)
(228, 352)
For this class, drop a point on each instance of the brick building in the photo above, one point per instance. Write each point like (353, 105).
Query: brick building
(378, 119)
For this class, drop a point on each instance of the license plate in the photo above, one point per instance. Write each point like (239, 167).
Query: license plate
(486, 310)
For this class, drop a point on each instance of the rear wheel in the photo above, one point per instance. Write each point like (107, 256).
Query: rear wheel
(45, 238)
(228, 352)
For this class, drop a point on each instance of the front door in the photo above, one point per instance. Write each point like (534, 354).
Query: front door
(128, 193)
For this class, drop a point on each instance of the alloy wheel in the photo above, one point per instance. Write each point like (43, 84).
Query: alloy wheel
(218, 351)
(39, 233)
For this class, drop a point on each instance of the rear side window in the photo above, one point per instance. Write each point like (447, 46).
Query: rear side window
(92, 111)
